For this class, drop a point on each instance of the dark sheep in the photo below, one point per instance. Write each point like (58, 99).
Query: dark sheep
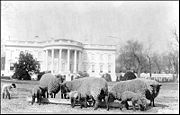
(51, 84)
(36, 94)
(151, 95)
(88, 86)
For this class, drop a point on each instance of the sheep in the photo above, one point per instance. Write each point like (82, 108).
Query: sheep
(151, 95)
(36, 93)
(136, 98)
(88, 86)
(134, 85)
(76, 98)
(6, 90)
(50, 84)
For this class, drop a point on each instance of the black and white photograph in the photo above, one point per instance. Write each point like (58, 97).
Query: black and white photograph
(90, 57)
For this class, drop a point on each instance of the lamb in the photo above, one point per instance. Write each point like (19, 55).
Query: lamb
(76, 98)
(36, 94)
(135, 85)
(136, 98)
(6, 90)
(88, 86)
(50, 84)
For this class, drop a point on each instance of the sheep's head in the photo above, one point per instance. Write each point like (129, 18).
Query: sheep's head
(65, 87)
(143, 104)
(13, 85)
(155, 90)
(111, 97)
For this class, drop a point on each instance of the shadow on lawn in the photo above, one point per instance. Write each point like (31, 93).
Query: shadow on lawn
(157, 105)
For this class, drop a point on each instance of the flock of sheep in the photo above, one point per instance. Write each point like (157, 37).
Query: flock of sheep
(91, 91)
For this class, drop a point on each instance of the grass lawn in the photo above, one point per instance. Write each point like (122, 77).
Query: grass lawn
(166, 102)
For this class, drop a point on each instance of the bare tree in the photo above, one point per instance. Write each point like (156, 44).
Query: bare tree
(132, 57)
(174, 54)
(148, 53)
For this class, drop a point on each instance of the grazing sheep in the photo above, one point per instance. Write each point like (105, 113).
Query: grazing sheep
(6, 90)
(151, 95)
(88, 86)
(36, 94)
(136, 98)
(134, 85)
(50, 84)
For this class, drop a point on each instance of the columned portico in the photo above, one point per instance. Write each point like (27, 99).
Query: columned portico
(65, 57)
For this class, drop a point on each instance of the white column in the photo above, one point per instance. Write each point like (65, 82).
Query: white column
(75, 61)
(46, 59)
(80, 61)
(68, 60)
(60, 50)
(52, 61)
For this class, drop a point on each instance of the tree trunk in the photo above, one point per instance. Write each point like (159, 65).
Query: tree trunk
(139, 71)
(150, 73)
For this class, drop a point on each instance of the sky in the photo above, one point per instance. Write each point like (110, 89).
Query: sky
(105, 22)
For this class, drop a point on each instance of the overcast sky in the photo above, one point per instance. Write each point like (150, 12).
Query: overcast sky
(111, 22)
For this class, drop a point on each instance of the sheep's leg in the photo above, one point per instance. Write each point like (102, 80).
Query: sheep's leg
(85, 102)
(61, 95)
(40, 100)
(9, 96)
(33, 100)
(153, 103)
(72, 102)
(54, 95)
(134, 106)
(3, 95)
(120, 106)
(107, 102)
(126, 105)
(150, 102)
(96, 103)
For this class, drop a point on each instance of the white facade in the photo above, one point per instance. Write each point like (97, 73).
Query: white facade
(63, 56)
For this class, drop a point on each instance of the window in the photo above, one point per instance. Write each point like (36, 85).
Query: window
(92, 57)
(11, 66)
(92, 68)
(2, 63)
(85, 67)
(101, 57)
(109, 68)
(109, 58)
(101, 68)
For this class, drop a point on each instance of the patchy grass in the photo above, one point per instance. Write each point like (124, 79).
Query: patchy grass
(166, 102)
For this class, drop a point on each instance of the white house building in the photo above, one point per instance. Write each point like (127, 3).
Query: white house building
(61, 56)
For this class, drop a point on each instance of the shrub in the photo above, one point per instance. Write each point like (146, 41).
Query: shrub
(21, 74)
(128, 76)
